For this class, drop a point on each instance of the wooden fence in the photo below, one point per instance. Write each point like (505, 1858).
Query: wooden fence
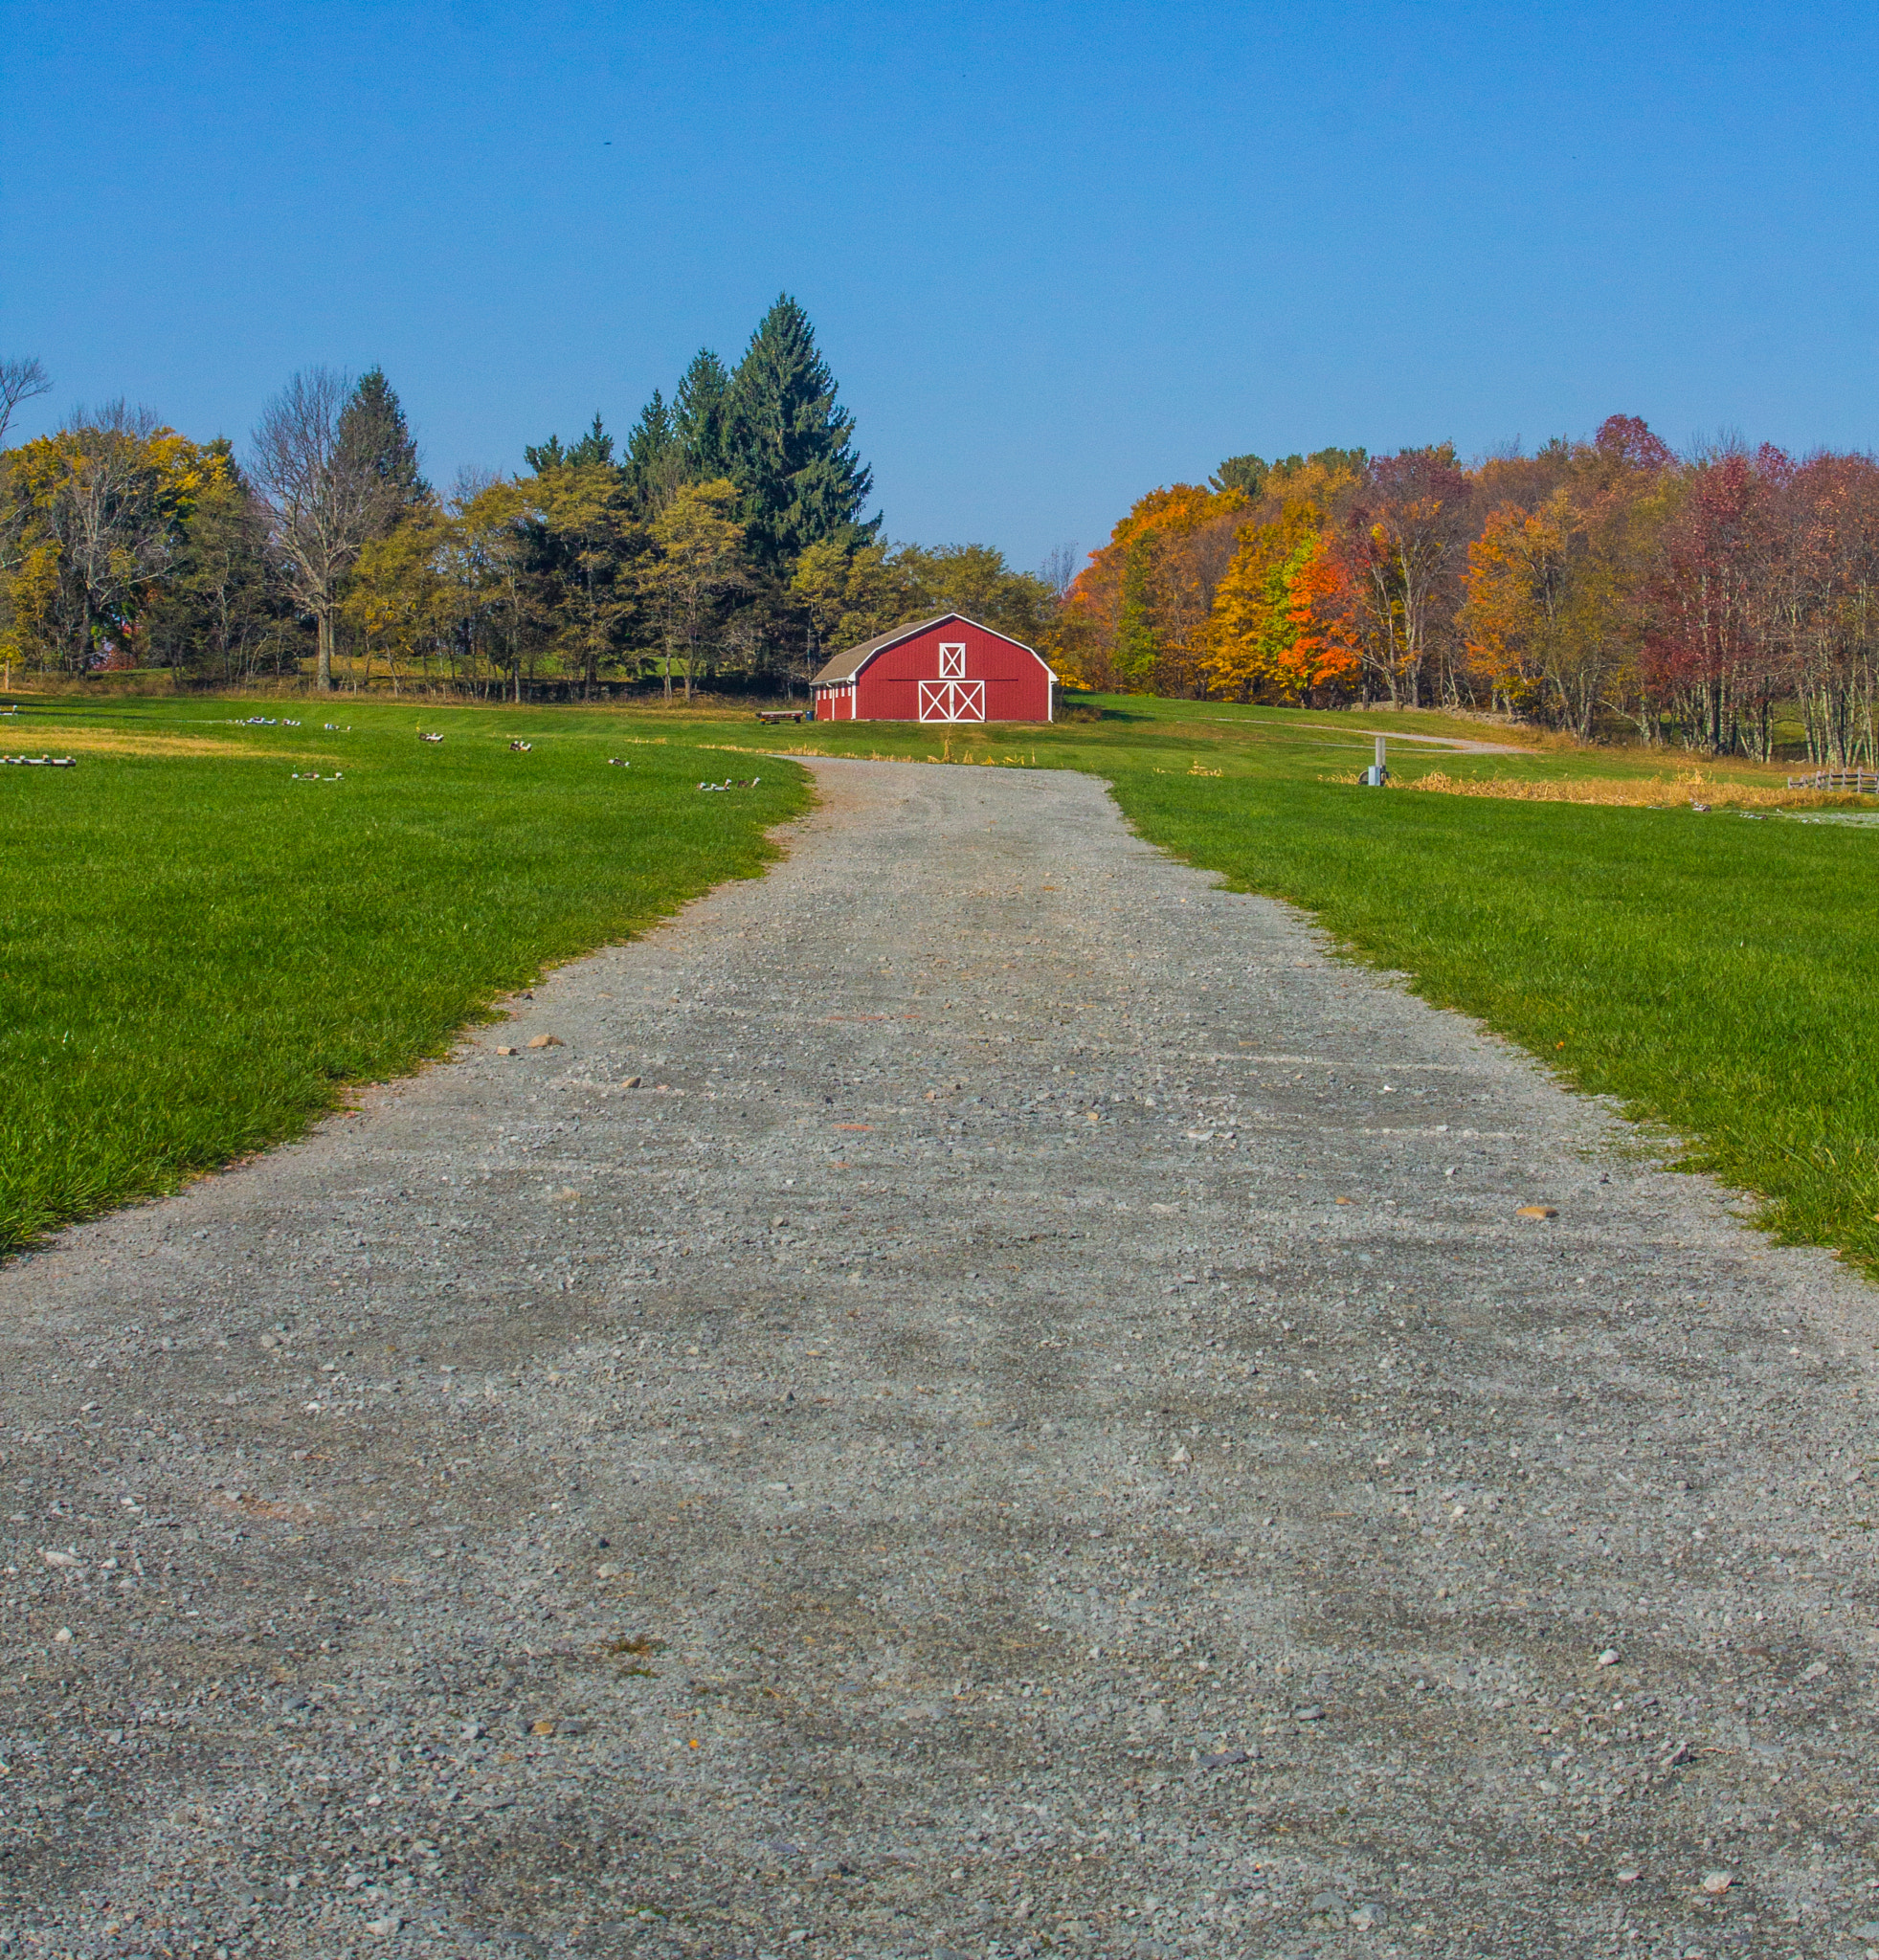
(1856, 782)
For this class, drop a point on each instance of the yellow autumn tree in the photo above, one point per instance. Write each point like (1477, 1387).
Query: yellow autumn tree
(699, 557)
(1251, 633)
(96, 517)
(1512, 594)
(399, 601)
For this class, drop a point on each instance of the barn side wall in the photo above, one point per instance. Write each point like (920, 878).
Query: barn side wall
(1017, 682)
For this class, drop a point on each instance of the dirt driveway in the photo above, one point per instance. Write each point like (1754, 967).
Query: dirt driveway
(1036, 1425)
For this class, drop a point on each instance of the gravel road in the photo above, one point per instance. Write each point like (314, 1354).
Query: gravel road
(1036, 1425)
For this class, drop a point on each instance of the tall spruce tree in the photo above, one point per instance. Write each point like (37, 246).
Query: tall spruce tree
(791, 451)
(597, 446)
(372, 426)
(700, 414)
(655, 460)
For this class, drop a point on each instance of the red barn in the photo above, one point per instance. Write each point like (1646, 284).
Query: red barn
(948, 669)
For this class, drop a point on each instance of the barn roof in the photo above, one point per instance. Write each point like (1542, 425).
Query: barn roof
(845, 666)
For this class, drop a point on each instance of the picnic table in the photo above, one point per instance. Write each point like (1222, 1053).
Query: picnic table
(769, 717)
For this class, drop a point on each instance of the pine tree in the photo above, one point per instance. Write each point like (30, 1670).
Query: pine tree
(654, 462)
(372, 426)
(698, 412)
(1246, 474)
(597, 446)
(792, 453)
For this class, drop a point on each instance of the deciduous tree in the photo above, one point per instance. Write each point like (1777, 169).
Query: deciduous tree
(23, 378)
(698, 559)
(319, 463)
(1402, 550)
(399, 598)
(97, 519)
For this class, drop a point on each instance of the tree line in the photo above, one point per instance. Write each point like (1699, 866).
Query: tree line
(725, 542)
(1595, 586)
(1601, 586)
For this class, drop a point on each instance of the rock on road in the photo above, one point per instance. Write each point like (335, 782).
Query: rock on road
(1039, 1425)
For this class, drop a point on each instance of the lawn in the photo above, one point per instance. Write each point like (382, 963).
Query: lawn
(199, 952)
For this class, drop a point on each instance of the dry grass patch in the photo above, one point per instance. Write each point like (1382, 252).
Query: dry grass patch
(1688, 786)
(45, 738)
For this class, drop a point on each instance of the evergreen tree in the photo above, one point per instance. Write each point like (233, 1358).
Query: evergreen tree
(597, 446)
(372, 426)
(792, 453)
(1246, 474)
(698, 412)
(654, 461)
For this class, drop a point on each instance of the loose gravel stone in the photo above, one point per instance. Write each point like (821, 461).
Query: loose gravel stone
(940, 1471)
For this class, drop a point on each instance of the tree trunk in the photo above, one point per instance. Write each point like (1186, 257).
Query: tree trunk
(324, 665)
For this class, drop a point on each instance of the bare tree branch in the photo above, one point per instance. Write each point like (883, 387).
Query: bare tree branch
(21, 380)
(325, 499)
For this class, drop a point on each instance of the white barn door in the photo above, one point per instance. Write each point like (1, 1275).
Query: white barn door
(953, 700)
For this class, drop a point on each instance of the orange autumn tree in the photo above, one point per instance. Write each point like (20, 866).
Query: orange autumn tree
(1554, 615)
(1325, 655)
(1516, 570)
(1138, 616)
(1282, 627)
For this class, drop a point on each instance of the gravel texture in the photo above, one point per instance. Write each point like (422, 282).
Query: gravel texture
(1036, 1425)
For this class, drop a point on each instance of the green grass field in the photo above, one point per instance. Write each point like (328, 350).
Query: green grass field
(198, 952)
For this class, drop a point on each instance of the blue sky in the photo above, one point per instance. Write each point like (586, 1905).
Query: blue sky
(1056, 253)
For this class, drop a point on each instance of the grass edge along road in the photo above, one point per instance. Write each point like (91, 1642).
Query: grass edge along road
(212, 932)
(1704, 971)
(1708, 972)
